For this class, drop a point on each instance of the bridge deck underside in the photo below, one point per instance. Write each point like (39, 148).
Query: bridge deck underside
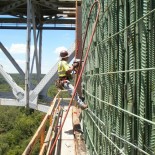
(46, 12)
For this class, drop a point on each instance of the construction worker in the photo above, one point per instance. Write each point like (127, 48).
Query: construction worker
(64, 73)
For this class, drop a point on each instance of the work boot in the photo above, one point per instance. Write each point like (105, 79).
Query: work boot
(84, 106)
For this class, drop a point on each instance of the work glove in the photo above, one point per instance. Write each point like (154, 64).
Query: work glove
(75, 64)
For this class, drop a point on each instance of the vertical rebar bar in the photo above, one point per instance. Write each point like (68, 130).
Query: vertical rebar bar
(27, 69)
(143, 92)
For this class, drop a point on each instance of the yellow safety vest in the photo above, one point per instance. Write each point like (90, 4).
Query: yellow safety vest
(63, 66)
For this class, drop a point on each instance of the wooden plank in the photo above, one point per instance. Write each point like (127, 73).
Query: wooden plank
(67, 137)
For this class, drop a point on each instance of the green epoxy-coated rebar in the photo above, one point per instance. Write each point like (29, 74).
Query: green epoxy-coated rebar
(118, 82)
(143, 98)
(152, 141)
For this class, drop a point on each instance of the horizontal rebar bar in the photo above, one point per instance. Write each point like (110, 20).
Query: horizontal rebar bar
(125, 111)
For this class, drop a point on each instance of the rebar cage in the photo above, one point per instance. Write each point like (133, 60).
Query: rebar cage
(119, 78)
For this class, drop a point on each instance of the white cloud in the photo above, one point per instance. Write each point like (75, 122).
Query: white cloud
(21, 62)
(59, 49)
(9, 67)
(19, 48)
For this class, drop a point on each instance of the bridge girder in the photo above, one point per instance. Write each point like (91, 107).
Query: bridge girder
(34, 14)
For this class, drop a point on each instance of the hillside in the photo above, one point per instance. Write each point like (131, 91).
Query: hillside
(17, 124)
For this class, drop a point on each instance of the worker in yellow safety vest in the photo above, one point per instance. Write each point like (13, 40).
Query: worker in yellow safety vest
(64, 73)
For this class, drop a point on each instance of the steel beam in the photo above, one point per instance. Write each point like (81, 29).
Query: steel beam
(40, 48)
(39, 28)
(14, 102)
(11, 102)
(27, 68)
(47, 4)
(12, 60)
(13, 20)
(39, 107)
(12, 6)
(17, 91)
(66, 8)
(35, 40)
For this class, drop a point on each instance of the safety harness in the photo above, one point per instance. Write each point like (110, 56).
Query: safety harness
(64, 79)
(59, 83)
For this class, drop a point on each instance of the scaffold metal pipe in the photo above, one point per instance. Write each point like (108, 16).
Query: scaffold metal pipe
(38, 132)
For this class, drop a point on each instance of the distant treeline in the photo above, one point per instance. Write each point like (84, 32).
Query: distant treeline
(18, 79)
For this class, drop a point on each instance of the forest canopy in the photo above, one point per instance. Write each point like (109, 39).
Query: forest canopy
(18, 124)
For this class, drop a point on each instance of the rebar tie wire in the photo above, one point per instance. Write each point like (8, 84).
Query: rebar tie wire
(89, 113)
(126, 28)
(125, 71)
(125, 111)
(105, 136)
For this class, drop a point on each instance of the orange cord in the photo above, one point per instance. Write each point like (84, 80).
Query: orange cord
(85, 59)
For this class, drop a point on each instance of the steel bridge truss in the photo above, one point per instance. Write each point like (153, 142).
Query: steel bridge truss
(32, 14)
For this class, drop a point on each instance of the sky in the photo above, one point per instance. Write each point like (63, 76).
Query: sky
(52, 43)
